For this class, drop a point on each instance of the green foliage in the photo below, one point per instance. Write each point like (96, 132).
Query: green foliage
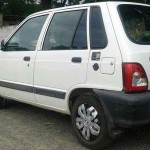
(47, 4)
(58, 3)
(138, 1)
(26, 7)
(19, 7)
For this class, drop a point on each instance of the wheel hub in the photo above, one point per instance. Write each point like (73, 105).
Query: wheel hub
(87, 122)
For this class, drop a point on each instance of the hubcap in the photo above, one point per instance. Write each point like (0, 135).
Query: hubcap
(88, 122)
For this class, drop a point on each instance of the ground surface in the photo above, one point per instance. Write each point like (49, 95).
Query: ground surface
(23, 127)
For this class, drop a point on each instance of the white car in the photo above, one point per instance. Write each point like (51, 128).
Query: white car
(90, 61)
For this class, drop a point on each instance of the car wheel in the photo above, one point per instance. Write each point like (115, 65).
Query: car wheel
(89, 123)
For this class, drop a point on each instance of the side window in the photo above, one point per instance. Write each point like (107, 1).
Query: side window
(98, 38)
(80, 38)
(25, 39)
(67, 30)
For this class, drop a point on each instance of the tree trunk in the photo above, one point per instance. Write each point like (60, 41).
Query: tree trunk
(1, 20)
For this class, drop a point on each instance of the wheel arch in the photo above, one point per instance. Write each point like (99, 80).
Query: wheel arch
(113, 130)
(76, 93)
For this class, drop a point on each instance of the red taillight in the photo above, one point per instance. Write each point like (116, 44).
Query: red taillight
(134, 77)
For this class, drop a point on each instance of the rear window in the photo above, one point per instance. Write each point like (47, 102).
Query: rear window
(136, 21)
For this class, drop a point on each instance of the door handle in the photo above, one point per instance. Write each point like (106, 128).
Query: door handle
(26, 58)
(76, 60)
(96, 56)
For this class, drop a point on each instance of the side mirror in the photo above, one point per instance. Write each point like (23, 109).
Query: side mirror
(2, 45)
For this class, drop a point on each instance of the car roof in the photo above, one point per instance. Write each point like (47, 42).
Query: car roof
(86, 5)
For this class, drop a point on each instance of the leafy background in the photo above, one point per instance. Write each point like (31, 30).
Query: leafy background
(26, 7)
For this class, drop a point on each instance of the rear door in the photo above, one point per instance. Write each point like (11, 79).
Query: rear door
(17, 60)
(63, 58)
(105, 62)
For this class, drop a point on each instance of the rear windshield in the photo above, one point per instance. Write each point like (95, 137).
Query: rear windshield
(136, 21)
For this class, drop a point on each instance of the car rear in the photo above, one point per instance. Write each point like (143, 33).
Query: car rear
(131, 106)
(132, 27)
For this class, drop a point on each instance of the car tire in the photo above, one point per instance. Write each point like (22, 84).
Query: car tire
(89, 123)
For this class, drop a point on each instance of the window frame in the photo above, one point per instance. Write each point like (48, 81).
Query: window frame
(61, 11)
(20, 25)
(123, 25)
(90, 32)
(75, 33)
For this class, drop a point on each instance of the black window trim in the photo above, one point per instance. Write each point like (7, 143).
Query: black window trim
(90, 37)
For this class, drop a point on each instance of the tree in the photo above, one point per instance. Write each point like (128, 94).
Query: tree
(1, 4)
(19, 7)
(26, 7)
(62, 3)
(46, 4)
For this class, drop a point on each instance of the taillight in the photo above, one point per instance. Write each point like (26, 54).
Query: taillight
(134, 77)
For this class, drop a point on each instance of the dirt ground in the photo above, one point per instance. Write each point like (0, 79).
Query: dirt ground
(24, 127)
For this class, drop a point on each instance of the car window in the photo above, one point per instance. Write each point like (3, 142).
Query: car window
(136, 22)
(25, 39)
(80, 38)
(98, 38)
(66, 31)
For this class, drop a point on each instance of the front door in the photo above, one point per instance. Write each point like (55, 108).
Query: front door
(62, 61)
(17, 60)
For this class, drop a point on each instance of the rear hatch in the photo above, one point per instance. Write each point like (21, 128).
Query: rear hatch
(132, 27)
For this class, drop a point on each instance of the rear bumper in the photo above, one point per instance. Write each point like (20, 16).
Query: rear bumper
(125, 110)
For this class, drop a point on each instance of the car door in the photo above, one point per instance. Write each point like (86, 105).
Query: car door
(17, 59)
(62, 60)
(105, 63)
